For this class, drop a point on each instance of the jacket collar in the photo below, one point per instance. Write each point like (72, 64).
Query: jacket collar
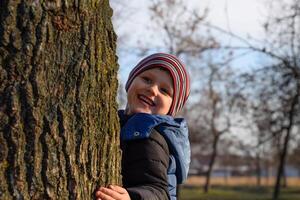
(174, 130)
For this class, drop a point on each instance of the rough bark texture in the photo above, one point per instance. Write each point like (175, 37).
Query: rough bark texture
(58, 121)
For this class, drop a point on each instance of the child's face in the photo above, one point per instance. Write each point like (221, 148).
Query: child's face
(150, 92)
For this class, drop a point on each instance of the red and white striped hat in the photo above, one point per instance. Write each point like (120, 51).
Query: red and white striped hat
(181, 79)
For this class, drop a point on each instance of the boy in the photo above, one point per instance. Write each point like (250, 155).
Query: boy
(156, 151)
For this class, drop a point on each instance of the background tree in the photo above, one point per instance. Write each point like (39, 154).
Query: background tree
(257, 120)
(58, 121)
(181, 28)
(276, 83)
(213, 114)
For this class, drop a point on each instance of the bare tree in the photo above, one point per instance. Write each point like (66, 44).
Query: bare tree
(277, 82)
(180, 28)
(215, 112)
(59, 132)
(283, 46)
(275, 111)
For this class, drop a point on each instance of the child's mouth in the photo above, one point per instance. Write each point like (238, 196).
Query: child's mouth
(146, 100)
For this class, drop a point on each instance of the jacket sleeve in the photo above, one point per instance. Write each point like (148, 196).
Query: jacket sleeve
(144, 168)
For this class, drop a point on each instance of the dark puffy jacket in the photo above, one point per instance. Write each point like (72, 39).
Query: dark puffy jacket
(156, 155)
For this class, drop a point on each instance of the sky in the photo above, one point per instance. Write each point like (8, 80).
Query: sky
(242, 17)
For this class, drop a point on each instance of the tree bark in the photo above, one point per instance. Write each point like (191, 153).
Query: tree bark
(59, 132)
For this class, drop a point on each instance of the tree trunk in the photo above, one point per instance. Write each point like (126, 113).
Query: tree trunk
(59, 132)
(211, 163)
(258, 170)
(283, 154)
(281, 167)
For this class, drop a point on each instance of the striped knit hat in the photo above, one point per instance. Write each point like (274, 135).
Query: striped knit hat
(181, 79)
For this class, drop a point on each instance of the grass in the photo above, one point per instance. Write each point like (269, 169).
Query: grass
(237, 193)
(241, 181)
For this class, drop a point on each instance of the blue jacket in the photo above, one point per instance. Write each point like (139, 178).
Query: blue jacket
(175, 132)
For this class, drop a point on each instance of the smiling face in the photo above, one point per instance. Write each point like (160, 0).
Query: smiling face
(150, 92)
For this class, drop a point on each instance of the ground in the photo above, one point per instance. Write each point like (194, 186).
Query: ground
(237, 193)
(238, 188)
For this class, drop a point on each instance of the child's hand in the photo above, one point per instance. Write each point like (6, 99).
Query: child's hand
(113, 192)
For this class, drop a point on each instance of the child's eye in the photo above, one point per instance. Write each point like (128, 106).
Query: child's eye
(146, 79)
(165, 91)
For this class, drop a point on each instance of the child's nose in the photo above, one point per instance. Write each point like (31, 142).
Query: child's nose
(153, 89)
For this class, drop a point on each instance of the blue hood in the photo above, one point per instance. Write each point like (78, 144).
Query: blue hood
(174, 130)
